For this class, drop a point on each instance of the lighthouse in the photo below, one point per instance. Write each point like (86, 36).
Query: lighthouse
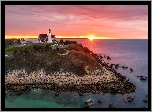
(49, 37)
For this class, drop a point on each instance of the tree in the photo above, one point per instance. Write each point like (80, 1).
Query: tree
(61, 41)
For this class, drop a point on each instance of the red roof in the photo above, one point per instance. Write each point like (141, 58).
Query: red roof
(43, 36)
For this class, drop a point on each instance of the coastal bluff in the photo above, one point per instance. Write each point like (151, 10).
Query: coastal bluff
(51, 66)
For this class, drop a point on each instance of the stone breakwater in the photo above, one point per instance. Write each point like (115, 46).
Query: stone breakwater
(106, 81)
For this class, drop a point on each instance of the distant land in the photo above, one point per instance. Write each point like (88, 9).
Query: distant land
(56, 37)
(74, 38)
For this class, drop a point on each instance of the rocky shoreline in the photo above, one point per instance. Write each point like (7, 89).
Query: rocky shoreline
(111, 82)
(103, 78)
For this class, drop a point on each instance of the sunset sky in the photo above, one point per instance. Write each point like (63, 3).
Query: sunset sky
(102, 21)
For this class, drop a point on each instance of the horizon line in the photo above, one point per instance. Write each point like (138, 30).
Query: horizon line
(64, 37)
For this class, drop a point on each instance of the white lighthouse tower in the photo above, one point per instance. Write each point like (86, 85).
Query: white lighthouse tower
(49, 37)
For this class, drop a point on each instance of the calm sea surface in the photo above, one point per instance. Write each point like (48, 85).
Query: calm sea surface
(131, 53)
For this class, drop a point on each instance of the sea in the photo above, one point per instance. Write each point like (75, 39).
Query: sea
(132, 53)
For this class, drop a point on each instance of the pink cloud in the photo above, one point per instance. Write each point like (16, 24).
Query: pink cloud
(77, 20)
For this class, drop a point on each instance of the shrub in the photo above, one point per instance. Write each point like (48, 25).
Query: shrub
(70, 42)
(77, 47)
(86, 50)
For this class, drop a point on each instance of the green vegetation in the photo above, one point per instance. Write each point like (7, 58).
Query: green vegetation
(29, 46)
(41, 56)
(12, 49)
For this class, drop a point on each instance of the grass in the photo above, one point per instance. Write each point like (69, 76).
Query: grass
(30, 46)
(13, 49)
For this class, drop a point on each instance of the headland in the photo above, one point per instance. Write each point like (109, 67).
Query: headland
(61, 67)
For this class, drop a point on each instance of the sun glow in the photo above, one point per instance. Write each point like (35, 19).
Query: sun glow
(91, 37)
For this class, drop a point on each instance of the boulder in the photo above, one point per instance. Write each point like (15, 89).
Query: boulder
(143, 78)
(57, 94)
(81, 94)
(145, 101)
(100, 101)
(89, 103)
(111, 106)
(130, 99)
(131, 69)
(108, 58)
(124, 67)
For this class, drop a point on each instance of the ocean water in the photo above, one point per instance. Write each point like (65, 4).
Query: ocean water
(131, 53)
